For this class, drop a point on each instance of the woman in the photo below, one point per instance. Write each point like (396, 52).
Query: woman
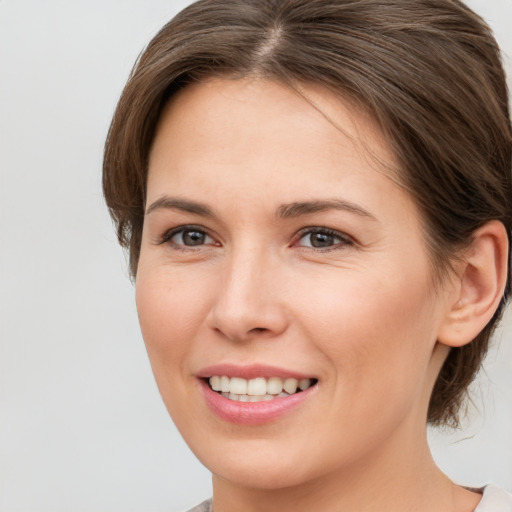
(317, 201)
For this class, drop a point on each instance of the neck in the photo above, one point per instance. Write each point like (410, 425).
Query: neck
(406, 481)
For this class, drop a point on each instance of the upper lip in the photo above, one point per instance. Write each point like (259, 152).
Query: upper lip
(250, 371)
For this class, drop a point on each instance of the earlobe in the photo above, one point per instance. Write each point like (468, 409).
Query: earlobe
(480, 283)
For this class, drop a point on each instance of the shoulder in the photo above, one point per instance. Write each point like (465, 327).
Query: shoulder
(206, 506)
(495, 499)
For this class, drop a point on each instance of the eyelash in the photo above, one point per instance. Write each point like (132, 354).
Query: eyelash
(168, 235)
(343, 240)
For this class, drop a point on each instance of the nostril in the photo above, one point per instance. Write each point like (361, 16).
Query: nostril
(258, 329)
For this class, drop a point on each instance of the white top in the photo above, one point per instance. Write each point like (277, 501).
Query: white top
(494, 499)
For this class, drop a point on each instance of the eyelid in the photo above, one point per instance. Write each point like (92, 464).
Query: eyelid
(167, 236)
(346, 240)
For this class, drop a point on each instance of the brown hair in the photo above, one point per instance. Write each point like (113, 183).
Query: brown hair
(428, 70)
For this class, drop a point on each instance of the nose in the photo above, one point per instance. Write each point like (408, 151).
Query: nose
(249, 302)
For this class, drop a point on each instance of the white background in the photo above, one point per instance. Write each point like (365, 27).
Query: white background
(82, 427)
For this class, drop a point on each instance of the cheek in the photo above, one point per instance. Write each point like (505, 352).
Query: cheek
(374, 331)
(377, 342)
(170, 312)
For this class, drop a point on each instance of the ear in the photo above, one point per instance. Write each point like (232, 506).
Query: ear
(479, 284)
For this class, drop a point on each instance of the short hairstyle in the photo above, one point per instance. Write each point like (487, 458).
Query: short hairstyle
(430, 73)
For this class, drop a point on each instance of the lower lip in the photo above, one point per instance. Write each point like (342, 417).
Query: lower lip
(253, 413)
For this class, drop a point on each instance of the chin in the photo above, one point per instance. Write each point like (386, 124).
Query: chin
(262, 475)
(258, 464)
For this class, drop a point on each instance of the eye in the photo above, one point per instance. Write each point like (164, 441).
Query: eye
(188, 236)
(323, 238)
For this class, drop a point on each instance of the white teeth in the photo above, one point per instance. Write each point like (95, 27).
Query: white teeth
(224, 384)
(257, 386)
(275, 386)
(258, 398)
(238, 386)
(290, 385)
(258, 389)
(254, 398)
(215, 383)
(304, 384)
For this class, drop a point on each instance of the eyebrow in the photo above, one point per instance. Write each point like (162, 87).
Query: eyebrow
(291, 210)
(184, 205)
(285, 211)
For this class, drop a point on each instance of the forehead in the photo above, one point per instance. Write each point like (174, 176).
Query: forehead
(262, 102)
(263, 111)
(249, 136)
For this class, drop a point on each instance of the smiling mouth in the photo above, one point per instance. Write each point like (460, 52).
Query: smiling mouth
(259, 389)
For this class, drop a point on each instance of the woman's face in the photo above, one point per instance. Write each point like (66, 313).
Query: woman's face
(275, 249)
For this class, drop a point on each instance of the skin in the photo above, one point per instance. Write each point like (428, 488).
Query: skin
(359, 314)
